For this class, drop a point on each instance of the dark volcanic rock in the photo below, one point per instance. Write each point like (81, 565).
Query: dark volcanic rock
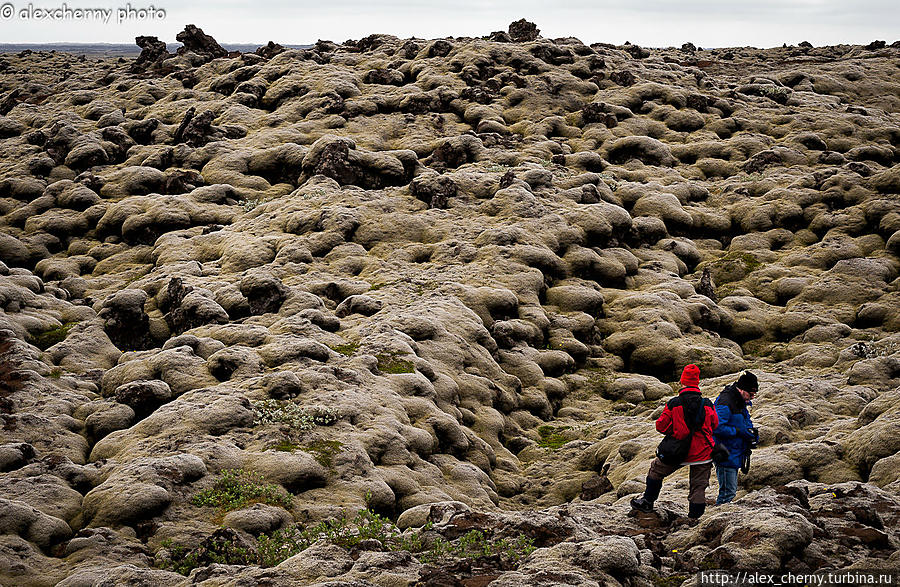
(264, 292)
(435, 191)
(522, 31)
(196, 41)
(623, 78)
(153, 53)
(125, 321)
(269, 50)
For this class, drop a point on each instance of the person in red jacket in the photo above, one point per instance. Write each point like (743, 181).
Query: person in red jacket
(682, 413)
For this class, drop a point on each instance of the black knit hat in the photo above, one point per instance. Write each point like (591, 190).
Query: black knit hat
(748, 382)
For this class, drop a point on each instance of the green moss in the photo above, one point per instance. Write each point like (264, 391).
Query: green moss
(346, 349)
(324, 451)
(552, 437)
(56, 372)
(733, 266)
(389, 363)
(757, 348)
(776, 351)
(750, 262)
(726, 290)
(48, 338)
(286, 446)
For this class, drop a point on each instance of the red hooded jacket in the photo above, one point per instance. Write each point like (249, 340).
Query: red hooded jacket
(671, 421)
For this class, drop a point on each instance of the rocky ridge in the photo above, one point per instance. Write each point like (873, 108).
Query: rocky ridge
(450, 281)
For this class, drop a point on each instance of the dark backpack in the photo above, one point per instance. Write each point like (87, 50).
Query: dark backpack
(672, 451)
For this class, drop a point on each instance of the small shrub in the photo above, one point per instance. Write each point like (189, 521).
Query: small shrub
(776, 94)
(346, 533)
(237, 488)
(313, 193)
(273, 411)
(217, 549)
(56, 373)
(474, 544)
(873, 348)
(367, 525)
(342, 532)
(250, 205)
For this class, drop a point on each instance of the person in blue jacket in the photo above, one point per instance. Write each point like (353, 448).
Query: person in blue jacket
(735, 431)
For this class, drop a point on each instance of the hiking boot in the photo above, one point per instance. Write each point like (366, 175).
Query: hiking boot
(642, 504)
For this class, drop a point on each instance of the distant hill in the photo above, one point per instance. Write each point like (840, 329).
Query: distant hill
(116, 50)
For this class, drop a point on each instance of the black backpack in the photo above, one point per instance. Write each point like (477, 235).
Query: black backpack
(672, 451)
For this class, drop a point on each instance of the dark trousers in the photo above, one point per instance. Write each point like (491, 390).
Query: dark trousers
(699, 478)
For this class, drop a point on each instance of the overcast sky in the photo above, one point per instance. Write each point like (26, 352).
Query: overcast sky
(656, 23)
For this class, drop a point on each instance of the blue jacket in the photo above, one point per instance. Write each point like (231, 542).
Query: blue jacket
(734, 420)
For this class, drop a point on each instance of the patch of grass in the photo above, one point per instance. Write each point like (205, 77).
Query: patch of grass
(552, 437)
(48, 338)
(346, 349)
(391, 364)
(56, 372)
(324, 451)
(237, 488)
